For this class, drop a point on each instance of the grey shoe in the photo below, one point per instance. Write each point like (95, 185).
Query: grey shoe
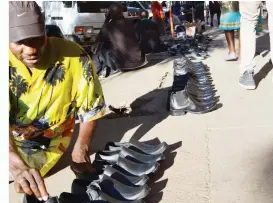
(247, 81)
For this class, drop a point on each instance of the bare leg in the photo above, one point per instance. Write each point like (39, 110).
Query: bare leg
(233, 49)
(239, 39)
(230, 40)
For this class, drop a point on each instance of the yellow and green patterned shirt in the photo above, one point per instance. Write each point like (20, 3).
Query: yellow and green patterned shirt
(45, 103)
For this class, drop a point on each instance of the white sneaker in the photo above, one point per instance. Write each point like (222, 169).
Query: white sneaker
(231, 57)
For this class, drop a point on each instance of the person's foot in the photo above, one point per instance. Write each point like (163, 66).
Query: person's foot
(231, 57)
(247, 81)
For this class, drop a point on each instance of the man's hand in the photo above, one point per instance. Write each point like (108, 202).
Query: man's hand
(29, 181)
(26, 180)
(80, 153)
(81, 162)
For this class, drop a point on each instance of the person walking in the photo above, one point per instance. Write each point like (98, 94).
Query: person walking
(230, 22)
(214, 8)
(249, 19)
(158, 15)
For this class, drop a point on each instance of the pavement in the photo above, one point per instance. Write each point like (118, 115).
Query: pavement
(225, 156)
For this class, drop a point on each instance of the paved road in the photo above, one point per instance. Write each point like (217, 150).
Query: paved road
(222, 157)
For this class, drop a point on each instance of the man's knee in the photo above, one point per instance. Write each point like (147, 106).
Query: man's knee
(249, 10)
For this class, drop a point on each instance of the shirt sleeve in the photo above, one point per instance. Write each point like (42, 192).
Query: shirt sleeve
(90, 102)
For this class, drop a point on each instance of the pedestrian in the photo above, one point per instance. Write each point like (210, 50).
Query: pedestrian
(148, 34)
(214, 8)
(230, 22)
(176, 8)
(119, 40)
(51, 80)
(176, 20)
(158, 15)
(250, 11)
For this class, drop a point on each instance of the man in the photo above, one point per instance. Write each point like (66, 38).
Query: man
(51, 81)
(214, 8)
(176, 20)
(147, 33)
(117, 36)
(249, 19)
(176, 8)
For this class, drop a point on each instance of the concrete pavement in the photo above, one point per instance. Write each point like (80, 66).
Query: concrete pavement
(226, 156)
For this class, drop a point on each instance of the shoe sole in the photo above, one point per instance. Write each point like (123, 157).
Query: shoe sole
(247, 87)
(177, 112)
(232, 59)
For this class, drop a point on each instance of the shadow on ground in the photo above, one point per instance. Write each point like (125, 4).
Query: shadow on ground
(156, 193)
(258, 77)
(267, 172)
(147, 111)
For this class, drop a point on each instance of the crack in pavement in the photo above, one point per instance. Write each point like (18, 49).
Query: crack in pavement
(208, 182)
(161, 82)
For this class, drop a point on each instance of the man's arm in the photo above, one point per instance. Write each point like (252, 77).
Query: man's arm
(26, 180)
(90, 106)
(80, 152)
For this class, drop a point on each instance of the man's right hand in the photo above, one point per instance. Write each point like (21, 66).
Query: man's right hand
(26, 180)
(29, 181)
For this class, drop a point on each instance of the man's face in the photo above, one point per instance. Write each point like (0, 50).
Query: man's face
(29, 51)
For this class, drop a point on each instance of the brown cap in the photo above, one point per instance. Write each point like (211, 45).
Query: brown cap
(25, 20)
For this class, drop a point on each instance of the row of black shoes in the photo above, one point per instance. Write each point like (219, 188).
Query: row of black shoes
(122, 172)
(194, 48)
(192, 90)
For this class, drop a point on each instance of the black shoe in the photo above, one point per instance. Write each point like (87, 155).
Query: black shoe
(130, 166)
(66, 197)
(181, 103)
(110, 157)
(125, 152)
(116, 170)
(198, 92)
(109, 188)
(201, 86)
(180, 82)
(137, 169)
(33, 199)
(134, 144)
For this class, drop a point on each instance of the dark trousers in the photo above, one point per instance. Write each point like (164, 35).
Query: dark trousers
(212, 12)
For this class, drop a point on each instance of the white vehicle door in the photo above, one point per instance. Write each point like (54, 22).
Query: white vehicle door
(61, 14)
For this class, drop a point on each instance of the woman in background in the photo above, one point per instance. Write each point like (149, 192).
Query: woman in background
(158, 16)
(230, 22)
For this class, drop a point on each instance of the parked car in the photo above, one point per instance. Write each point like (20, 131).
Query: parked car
(79, 21)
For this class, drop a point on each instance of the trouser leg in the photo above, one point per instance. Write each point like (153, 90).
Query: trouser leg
(249, 18)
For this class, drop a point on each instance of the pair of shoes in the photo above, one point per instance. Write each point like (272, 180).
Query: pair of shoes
(124, 168)
(109, 189)
(135, 157)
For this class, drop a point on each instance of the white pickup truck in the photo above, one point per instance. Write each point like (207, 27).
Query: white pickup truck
(79, 21)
